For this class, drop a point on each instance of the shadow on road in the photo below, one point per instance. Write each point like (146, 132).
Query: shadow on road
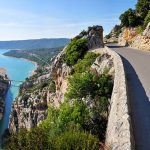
(139, 108)
(114, 46)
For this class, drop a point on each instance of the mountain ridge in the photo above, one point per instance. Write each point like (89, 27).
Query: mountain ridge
(34, 43)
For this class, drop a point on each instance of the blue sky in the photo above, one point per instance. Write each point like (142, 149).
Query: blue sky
(32, 19)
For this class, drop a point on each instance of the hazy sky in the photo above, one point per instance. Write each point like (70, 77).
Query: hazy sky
(32, 19)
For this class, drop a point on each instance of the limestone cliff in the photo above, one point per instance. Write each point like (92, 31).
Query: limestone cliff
(112, 37)
(130, 37)
(94, 35)
(4, 85)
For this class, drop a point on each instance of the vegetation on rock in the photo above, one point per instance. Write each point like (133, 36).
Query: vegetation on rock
(85, 63)
(40, 56)
(129, 18)
(147, 19)
(80, 121)
(132, 18)
(75, 50)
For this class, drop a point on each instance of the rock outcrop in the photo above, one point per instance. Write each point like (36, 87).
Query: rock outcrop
(94, 35)
(130, 37)
(4, 85)
(112, 37)
(142, 42)
(126, 36)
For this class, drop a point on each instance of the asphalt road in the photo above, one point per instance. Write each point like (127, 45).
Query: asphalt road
(137, 68)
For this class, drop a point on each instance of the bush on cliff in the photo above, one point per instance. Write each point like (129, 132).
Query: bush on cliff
(147, 19)
(76, 140)
(85, 63)
(129, 18)
(75, 50)
(57, 132)
(142, 8)
(95, 90)
(133, 18)
(82, 85)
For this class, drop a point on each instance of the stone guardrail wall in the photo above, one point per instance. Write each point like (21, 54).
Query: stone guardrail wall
(119, 131)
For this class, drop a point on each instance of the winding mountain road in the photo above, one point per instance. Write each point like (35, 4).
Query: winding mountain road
(137, 68)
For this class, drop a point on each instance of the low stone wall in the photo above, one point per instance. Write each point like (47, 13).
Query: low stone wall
(119, 134)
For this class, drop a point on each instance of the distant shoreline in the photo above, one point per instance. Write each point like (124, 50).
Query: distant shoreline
(33, 62)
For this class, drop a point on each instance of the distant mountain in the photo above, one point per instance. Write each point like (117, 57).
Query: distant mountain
(34, 44)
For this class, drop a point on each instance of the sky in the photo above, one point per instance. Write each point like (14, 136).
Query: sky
(34, 19)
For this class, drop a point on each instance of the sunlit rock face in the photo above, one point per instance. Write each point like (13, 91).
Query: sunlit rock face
(94, 35)
(130, 37)
(4, 85)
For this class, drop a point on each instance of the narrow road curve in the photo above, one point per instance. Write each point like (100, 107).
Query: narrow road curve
(137, 68)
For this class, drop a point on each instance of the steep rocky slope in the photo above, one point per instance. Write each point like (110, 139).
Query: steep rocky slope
(130, 37)
(4, 85)
(112, 37)
(30, 107)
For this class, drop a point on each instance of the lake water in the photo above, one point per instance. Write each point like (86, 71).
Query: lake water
(19, 70)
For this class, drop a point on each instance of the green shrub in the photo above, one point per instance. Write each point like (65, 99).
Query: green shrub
(80, 85)
(99, 89)
(139, 29)
(75, 113)
(85, 64)
(52, 87)
(84, 84)
(142, 8)
(147, 19)
(35, 139)
(75, 50)
(77, 140)
(129, 18)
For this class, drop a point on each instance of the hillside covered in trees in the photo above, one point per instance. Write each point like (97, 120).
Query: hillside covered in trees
(34, 44)
(41, 56)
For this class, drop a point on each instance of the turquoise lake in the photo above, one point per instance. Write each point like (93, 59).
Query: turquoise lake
(19, 70)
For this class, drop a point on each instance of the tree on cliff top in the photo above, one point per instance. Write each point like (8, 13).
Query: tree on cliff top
(142, 8)
(132, 18)
(129, 18)
(75, 50)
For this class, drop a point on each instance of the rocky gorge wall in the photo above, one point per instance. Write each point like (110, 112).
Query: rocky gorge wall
(4, 86)
(119, 130)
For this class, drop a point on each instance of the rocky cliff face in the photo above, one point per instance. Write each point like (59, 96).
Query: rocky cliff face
(130, 37)
(112, 37)
(30, 107)
(4, 85)
(126, 36)
(94, 35)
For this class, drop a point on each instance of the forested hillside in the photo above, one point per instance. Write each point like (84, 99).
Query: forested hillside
(41, 56)
(34, 44)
